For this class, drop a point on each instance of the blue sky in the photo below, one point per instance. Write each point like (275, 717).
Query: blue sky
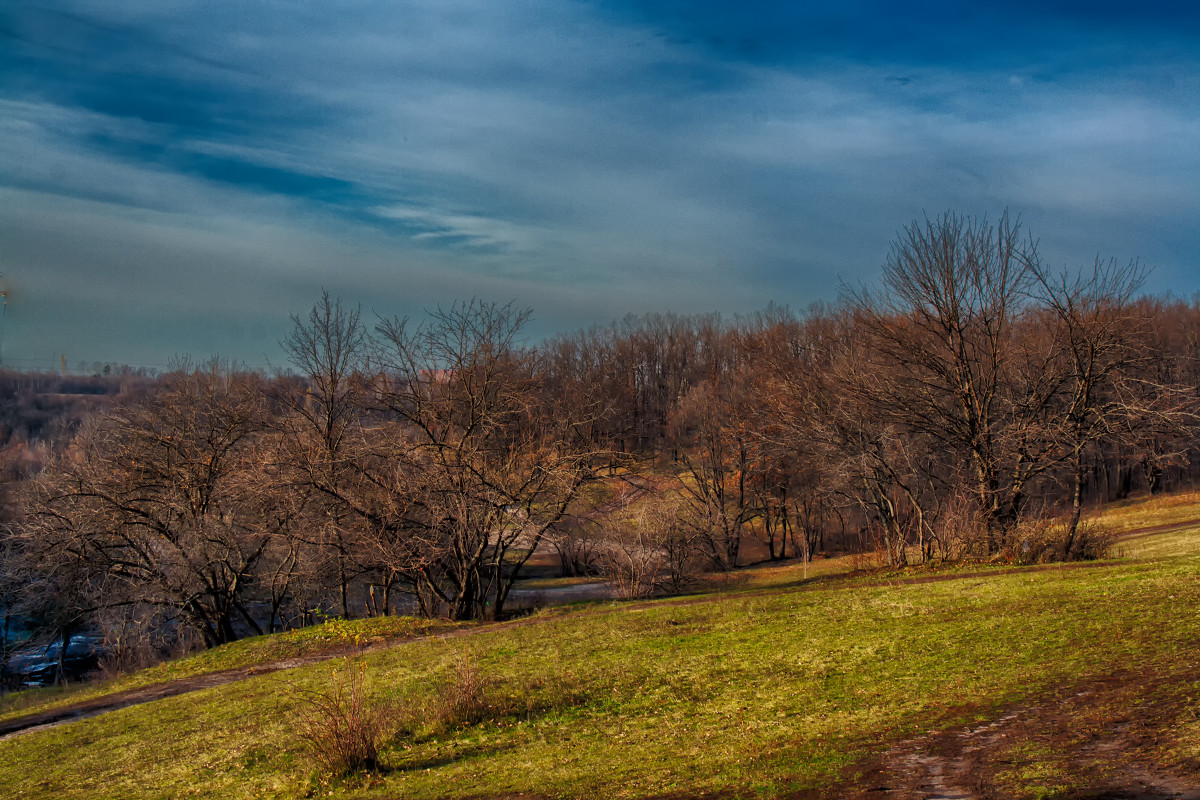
(178, 178)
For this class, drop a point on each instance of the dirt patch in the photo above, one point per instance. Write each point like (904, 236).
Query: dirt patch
(1127, 736)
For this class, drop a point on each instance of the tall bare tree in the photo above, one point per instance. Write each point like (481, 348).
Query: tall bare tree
(1101, 335)
(944, 325)
(491, 463)
(329, 347)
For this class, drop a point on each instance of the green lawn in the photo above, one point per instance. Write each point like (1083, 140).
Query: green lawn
(756, 689)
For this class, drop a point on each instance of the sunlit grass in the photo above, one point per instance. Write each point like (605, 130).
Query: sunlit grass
(335, 635)
(1144, 512)
(758, 692)
(767, 687)
(1163, 545)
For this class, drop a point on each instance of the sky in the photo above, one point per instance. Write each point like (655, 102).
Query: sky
(179, 178)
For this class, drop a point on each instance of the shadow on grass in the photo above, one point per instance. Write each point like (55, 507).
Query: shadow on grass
(447, 754)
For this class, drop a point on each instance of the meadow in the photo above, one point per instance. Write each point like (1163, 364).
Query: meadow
(773, 685)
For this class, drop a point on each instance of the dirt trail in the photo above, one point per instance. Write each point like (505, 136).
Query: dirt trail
(1106, 738)
(1154, 530)
(145, 694)
(131, 697)
(90, 708)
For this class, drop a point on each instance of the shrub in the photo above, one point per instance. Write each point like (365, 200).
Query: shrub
(651, 550)
(341, 729)
(1041, 540)
(469, 696)
(1093, 541)
(959, 530)
(464, 699)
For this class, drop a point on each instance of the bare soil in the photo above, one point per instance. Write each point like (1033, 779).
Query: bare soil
(1114, 737)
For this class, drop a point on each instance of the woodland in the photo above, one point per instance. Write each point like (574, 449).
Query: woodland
(970, 404)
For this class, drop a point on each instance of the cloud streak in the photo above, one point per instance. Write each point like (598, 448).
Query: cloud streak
(587, 159)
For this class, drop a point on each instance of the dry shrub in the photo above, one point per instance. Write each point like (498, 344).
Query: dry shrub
(1041, 540)
(469, 697)
(630, 563)
(1093, 541)
(871, 559)
(652, 549)
(464, 698)
(1035, 540)
(959, 530)
(342, 730)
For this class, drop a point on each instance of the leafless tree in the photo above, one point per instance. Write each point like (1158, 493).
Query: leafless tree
(329, 348)
(148, 506)
(710, 431)
(944, 328)
(491, 464)
(1101, 335)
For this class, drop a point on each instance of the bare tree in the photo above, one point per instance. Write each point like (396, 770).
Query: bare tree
(711, 433)
(1101, 336)
(329, 347)
(147, 507)
(954, 291)
(491, 463)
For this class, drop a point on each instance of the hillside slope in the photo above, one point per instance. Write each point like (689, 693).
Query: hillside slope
(1072, 681)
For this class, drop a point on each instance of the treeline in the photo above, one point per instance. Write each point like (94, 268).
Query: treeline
(969, 405)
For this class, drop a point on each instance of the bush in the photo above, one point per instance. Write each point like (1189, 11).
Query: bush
(341, 729)
(469, 697)
(464, 699)
(649, 551)
(959, 530)
(1093, 541)
(1042, 540)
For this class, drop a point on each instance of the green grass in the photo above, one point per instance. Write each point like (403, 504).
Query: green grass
(760, 690)
(538, 584)
(335, 635)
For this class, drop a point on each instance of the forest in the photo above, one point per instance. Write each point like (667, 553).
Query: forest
(968, 405)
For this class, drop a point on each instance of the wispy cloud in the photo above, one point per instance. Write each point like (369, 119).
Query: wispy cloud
(594, 158)
(471, 231)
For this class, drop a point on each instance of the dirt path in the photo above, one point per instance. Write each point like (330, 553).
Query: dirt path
(1154, 530)
(26, 723)
(145, 694)
(1108, 738)
(90, 708)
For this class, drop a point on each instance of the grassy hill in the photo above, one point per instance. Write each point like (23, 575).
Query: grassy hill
(1037, 680)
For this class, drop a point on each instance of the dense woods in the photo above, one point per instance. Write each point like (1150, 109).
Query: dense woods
(968, 405)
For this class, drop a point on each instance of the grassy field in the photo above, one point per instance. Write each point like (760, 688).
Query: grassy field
(335, 636)
(770, 686)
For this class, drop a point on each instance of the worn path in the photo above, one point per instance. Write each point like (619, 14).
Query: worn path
(1102, 738)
